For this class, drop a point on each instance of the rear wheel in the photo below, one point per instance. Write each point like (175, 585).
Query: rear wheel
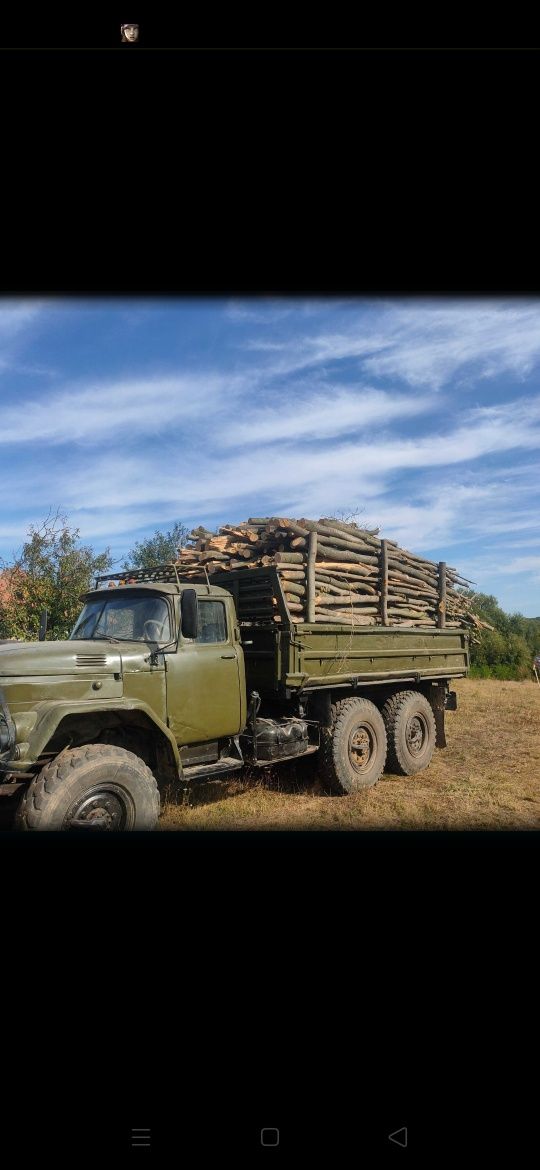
(97, 787)
(353, 750)
(410, 727)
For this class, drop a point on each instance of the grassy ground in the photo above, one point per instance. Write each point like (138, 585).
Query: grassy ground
(488, 777)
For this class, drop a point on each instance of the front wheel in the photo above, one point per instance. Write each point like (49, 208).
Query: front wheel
(96, 787)
(353, 749)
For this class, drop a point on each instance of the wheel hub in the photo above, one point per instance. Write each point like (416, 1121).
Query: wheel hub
(103, 809)
(360, 748)
(416, 735)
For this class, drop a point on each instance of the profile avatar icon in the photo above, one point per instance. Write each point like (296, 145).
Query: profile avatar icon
(130, 33)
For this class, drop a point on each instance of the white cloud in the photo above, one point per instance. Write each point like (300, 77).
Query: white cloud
(138, 407)
(423, 344)
(212, 469)
(330, 411)
(523, 564)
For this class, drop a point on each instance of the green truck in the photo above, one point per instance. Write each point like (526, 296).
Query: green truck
(164, 682)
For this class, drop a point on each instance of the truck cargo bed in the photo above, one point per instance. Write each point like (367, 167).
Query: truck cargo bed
(292, 656)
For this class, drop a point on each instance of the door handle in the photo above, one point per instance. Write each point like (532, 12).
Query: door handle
(228, 655)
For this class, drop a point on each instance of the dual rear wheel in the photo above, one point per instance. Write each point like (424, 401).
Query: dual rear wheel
(362, 741)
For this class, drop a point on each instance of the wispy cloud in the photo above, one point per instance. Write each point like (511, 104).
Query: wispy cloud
(523, 564)
(331, 411)
(135, 408)
(421, 344)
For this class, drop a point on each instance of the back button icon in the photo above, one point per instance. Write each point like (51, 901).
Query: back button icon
(399, 1137)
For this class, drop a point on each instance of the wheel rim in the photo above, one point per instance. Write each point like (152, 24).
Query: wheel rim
(105, 808)
(362, 745)
(416, 734)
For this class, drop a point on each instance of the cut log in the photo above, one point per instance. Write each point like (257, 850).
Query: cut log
(333, 585)
(349, 526)
(294, 605)
(290, 526)
(288, 558)
(341, 567)
(330, 617)
(330, 552)
(342, 540)
(294, 587)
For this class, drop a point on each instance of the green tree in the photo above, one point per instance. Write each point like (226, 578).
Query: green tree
(507, 650)
(51, 572)
(159, 549)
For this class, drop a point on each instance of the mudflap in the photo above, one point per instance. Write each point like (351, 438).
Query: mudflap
(437, 698)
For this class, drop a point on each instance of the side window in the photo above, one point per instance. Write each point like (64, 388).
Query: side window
(212, 623)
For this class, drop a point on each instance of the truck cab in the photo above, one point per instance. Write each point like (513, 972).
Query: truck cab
(153, 669)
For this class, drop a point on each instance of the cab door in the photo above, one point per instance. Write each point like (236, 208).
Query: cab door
(205, 678)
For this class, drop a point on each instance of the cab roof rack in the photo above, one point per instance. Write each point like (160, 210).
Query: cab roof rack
(163, 573)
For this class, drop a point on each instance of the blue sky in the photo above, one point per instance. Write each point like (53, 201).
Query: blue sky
(420, 415)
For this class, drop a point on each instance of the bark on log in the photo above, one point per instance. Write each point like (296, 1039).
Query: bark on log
(294, 587)
(327, 616)
(294, 605)
(288, 558)
(334, 585)
(344, 599)
(346, 526)
(416, 574)
(290, 525)
(341, 567)
(341, 540)
(343, 554)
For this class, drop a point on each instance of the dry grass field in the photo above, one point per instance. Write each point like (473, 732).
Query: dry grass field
(488, 777)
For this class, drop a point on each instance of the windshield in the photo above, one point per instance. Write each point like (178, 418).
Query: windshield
(124, 618)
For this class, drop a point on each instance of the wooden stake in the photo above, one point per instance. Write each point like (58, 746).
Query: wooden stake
(384, 582)
(312, 555)
(441, 616)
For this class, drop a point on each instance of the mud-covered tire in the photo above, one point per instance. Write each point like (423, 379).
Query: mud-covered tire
(411, 732)
(352, 755)
(97, 781)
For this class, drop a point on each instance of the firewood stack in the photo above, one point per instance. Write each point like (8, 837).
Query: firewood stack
(335, 572)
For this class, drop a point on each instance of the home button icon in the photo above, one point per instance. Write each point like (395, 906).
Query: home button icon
(269, 1137)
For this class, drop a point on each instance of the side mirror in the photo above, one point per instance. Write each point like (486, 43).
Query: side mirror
(43, 625)
(190, 615)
